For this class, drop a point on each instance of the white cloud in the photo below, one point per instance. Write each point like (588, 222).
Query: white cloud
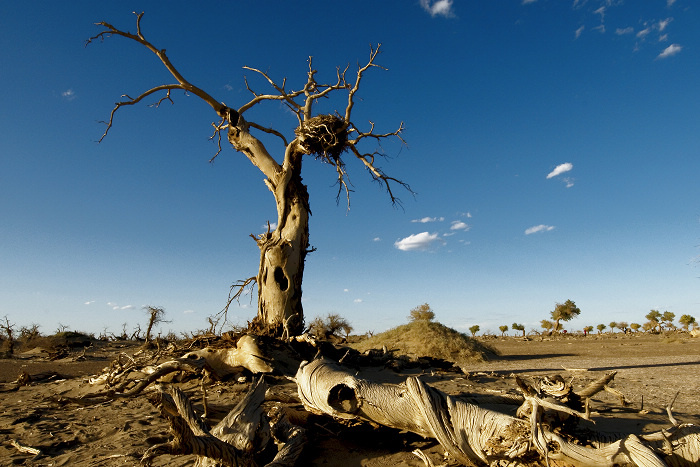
(672, 49)
(90, 302)
(670, 2)
(425, 220)
(579, 31)
(459, 225)
(273, 226)
(127, 307)
(68, 95)
(111, 304)
(527, 2)
(187, 312)
(346, 290)
(643, 33)
(663, 37)
(569, 182)
(539, 228)
(357, 300)
(623, 31)
(376, 239)
(420, 241)
(438, 8)
(560, 169)
(663, 23)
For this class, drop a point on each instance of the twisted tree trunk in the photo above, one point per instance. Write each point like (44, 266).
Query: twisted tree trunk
(283, 250)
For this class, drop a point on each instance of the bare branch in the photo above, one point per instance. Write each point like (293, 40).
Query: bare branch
(380, 176)
(183, 84)
(270, 131)
(351, 94)
(283, 95)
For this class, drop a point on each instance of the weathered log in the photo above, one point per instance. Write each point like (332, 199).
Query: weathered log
(474, 435)
(241, 438)
(224, 362)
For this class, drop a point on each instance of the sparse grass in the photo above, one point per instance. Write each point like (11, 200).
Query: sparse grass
(424, 338)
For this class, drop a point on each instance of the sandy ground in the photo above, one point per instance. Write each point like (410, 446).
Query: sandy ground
(650, 370)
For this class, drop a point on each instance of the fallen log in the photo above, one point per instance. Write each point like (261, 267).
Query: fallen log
(476, 436)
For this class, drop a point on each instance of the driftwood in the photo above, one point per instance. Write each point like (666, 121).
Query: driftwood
(241, 438)
(476, 436)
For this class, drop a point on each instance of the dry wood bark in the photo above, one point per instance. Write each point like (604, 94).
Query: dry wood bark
(242, 438)
(477, 436)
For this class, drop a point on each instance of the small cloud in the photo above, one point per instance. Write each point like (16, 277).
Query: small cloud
(438, 8)
(273, 226)
(228, 87)
(187, 312)
(111, 304)
(527, 2)
(560, 169)
(459, 225)
(663, 23)
(425, 220)
(346, 290)
(643, 33)
(68, 95)
(670, 3)
(569, 182)
(357, 300)
(90, 302)
(623, 31)
(663, 37)
(420, 241)
(126, 307)
(579, 31)
(539, 228)
(376, 239)
(672, 49)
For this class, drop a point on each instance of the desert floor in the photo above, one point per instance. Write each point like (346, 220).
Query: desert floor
(650, 371)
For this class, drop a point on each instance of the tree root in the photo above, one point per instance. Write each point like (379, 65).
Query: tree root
(241, 438)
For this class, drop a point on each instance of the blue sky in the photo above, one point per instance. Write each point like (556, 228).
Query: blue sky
(552, 146)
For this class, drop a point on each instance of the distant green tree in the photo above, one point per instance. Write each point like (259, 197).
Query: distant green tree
(503, 329)
(600, 327)
(687, 321)
(546, 324)
(654, 323)
(588, 329)
(622, 326)
(474, 329)
(518, 327)
(612, 325)
(422, 313)
(667, 319)
(635, 326)
(564, 312)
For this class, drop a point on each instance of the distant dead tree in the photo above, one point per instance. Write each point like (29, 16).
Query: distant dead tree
(326, 138)
(155, 315)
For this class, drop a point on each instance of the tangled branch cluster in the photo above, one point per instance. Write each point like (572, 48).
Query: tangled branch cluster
(324, 136)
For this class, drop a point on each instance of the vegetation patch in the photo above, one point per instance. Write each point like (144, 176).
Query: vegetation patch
(425, 338)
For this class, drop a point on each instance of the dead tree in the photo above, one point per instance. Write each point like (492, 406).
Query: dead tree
(326, 138)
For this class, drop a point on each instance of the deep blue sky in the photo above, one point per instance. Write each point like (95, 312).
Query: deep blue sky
(552, 145)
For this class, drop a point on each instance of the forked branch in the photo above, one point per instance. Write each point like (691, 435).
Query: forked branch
(182, 83)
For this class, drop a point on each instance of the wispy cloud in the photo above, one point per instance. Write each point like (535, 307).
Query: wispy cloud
(661, 25)
(526, 2)
(670, 3)
(579, 31)
(624, 31)
(68, 95)
(357, 300)
(90, 302)
(187, 312)
(672, 49)
(376, 239)
(425, 220)
(438, 8)
(539, 228)
(560, 169)
(643, 33)
(420, 241)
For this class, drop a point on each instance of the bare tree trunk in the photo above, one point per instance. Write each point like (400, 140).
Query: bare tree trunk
(282, 251)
